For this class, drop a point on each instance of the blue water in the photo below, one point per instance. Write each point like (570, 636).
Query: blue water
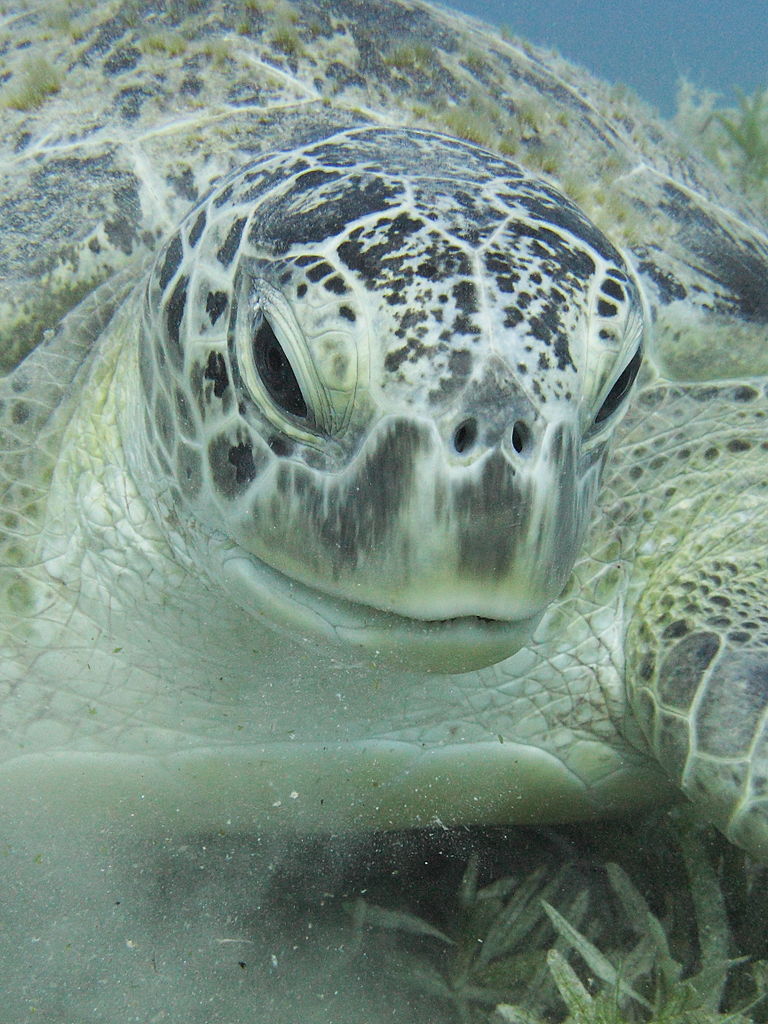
(648, 44)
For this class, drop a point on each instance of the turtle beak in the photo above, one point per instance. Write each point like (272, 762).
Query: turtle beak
(412, 529)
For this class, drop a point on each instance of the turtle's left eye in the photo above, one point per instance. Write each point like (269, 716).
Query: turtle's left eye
(619, 390)
(276, 372)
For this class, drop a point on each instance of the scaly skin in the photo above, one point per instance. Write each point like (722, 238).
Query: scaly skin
(697, 642)
(143, 648)
(144, 674)
(178, 706)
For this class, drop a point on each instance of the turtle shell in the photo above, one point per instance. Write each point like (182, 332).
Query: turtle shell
(117, 119)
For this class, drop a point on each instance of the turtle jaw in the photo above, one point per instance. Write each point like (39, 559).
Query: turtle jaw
(455, 645)
(440, 645)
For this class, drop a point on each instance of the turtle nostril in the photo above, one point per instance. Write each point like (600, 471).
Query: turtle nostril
(521, 437)
(465, 435)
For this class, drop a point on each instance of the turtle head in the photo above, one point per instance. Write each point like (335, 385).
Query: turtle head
(386, 368)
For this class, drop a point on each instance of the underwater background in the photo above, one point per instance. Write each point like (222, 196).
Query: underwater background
(599, 924)
(646, 45)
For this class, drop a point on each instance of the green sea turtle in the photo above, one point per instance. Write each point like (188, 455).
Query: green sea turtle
(336, 504)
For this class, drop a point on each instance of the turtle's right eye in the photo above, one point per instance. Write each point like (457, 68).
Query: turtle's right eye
(272, 363)
(276, 372)
(624, 382)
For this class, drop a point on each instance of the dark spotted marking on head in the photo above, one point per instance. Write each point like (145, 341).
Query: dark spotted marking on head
(375, 251)
(613, 289)
(310, 180)
(465, 295)
(287, 220)
(173, 317)
(172, 261)
(401, 227)
(512, 317)
(336, 285)
(460, 365)
(233, 464)
(215, 304)
(197, 228)
(552, 208)
(376, 254)
(471, 219)
(318, 271)
(546, 328)
(562, 259)
(463, 324)
(410, 319)
(606, 309)
(394, 360)
(505, 274)
(241, 457)
(229, 247)
(216, 371)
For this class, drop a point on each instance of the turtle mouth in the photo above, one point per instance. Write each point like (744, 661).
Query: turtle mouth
(465, 618)
(455, 644)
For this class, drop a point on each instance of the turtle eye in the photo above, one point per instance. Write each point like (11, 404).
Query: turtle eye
(276, 372)
(619, 390)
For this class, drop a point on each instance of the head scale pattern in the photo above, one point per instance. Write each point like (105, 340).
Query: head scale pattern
(380, 332)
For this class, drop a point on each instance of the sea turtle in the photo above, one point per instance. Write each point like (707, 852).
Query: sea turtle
(332, 502)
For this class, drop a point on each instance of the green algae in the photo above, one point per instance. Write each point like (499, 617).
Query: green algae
(39, 79)
(747, 128)
(656, 937)
(20, 334)
(171, 43)
(410, 57)
(733, 138)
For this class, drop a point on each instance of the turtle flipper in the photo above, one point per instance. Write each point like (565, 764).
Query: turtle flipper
(704, 711)
(697, 641)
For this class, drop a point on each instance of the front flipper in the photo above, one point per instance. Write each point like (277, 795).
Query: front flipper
(703, 708)
(697, 645)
